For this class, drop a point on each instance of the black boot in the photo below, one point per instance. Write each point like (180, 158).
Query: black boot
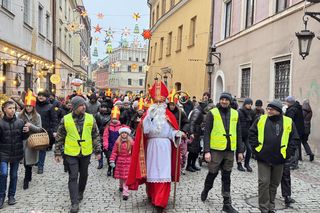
(74, 208)
(249, 169)
(25, 184)
(80, 196)
(227, 207)
(311, 157)
(190, 169)
(193, 162)
(288, 200)
(240, 167)
(100, 166)
(109, 171)
(1, 202)
(208, 184)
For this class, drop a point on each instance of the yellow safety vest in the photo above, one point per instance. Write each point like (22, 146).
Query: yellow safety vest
(73, 143)
(287, 127)
(218, 139)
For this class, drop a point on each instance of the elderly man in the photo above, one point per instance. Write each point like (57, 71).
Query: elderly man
(273, 137)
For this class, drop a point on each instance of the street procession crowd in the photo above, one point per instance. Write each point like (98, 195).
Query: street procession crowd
(153, 139)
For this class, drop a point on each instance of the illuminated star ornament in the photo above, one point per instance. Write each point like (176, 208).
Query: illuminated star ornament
(109, 33)
(85, 60)
(96, 39)
(100, 64)
(106, 41)
(72, 27)
(97, 29)
(81, 26)
(100, 16)
(136, 16)
(125, 32)
(147, 34)
(84, 13)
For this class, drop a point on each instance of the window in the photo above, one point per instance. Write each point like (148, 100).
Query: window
(151, 52)
(140, 68)
(192, 33)
(281, 5)
(140, 82)
(137, 59)
(65, 8)
(129, 58)
(164, 6)
(178, 86)
(245, 82)
(26, 11)
(6, 4)
(169, 43)
(161, 48)
(40, 16)
(129, 81)
(143, 60)
(171, 3)
(157, 12)
(60, 4)
(153, 21)
(249, 13)
(179, 41)
(227, 27)
(47, 25)
(69, 45)
(282, 79)
(155, 52)
(60, 38)
(65, 40)
(129, 68)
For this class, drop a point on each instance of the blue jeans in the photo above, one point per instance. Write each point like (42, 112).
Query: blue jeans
(42, 157)
(4, 166)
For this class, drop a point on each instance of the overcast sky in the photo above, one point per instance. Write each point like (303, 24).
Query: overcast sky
(118, 15)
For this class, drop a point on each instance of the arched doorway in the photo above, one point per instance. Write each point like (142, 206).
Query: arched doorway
(218, 85)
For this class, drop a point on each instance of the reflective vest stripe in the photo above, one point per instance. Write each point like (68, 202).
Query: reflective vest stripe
(73, 143)
(218, 140)
(287, 128)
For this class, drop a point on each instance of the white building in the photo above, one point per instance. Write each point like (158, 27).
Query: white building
(25, 38)
(126, 69)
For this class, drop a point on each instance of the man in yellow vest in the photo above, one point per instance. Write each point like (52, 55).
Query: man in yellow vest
(222, 137)
(273, 137)
(79, 134)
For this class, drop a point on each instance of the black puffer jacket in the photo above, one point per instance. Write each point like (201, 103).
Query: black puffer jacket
(184, 120)
(307, 115)
(246, 117)
(62, 111)
(196, 119)
(11, 139)
(295, 112)
(102, 121)
(126, 115)
(49, 118)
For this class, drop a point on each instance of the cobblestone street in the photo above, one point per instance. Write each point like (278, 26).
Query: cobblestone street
(49, 192)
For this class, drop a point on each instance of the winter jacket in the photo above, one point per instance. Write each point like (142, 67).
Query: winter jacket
(270, 152)
(110, 135)
(62, 111)
(126, 116)
(184, 120)
(92, 108)
(246, 117)
(11, 139)
(49, 118)
(188, 107)
(295, 113)
(55, 103)
(307, 115)
(31, 156)
(135, 120)
(102, 121)
(225, 115)
(196, 119)
(257, 113)
(122, 159)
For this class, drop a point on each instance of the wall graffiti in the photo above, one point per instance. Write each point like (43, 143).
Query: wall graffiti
(312, 92)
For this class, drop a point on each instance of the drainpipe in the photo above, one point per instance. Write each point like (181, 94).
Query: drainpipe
(54, 44)
(210, 45)
(146, 77)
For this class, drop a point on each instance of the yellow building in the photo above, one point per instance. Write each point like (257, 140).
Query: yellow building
(178, 49)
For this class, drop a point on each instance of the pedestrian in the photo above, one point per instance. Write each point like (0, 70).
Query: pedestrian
(49, 121)
(154, 152)
(33, 120)
(120, 159)
(222, 137)
(136, 118)
(258, 110)
(126, 112)
(273, 137)
(12, 133)
(246, 116)
(77, 149)
(110, 135)
(307, 116)
(92, 106)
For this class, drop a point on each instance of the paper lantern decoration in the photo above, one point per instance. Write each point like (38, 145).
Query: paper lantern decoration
(134, 66)
(100, 16)
(76, 82)
(95, 52)
(55, 79)
(136, 16)
(97, 29)
(136, 29)
(84, 13)
(147, 34)
(125, 32)
(124, 42)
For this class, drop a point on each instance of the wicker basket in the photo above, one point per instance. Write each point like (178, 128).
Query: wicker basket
(38, 141)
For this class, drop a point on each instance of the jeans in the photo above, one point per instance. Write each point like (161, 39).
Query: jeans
(42, 157)
(4, 166)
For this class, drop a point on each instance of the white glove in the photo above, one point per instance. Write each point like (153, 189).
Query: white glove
(179, 134)
(112, 164)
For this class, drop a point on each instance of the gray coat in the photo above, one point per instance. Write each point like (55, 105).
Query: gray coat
(31, 156)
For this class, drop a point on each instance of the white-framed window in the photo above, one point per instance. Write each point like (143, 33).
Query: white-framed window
(179, 39)
(40, 19)
(161, 48)
(6, 4)
(69, 45)
(169, 42)
(140, 82)
(65, 40)
(47, 25)
(60, 38)
(172, 2)
(129, 81)
(192, 32)
(26, 11)
(282, 5)
(227, 18)
(249, 12)
(155, 52)
(164, 5)
(245, 82)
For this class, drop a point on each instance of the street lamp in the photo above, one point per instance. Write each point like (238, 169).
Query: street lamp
(29, 66)
(210, 64)
(305, 36)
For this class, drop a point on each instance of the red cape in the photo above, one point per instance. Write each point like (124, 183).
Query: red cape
(138, 168)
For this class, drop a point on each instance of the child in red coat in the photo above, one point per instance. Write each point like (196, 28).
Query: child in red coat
(121, 158)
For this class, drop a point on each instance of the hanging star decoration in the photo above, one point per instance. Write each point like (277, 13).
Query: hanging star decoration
(113, 65)
(100, 16)
(146, 68)
(100, 64)
(97, 28)
(136, 42)
(106, 41)
(81, 26)
(118, 64)
(84, 13)
(72, 27)
(96, 39)
(109, 33)
(125, 32)
(136, 16)
(147, 34)
(85, 60)
(134, 66)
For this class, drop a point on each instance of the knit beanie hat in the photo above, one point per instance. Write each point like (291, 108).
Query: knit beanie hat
(226, 95)
(258, 103)
(290, 99)
(276, 104)
(125, 129)
(247, 101)
(43, 93)
(76, 102)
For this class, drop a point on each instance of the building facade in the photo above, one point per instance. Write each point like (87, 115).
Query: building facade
(126, 69)
(25, 61)
(260, 55)
(178, 49)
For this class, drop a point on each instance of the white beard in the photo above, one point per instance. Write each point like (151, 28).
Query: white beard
(158, 113)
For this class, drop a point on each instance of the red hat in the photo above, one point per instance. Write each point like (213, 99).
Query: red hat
(159, 91)
(30, 99)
